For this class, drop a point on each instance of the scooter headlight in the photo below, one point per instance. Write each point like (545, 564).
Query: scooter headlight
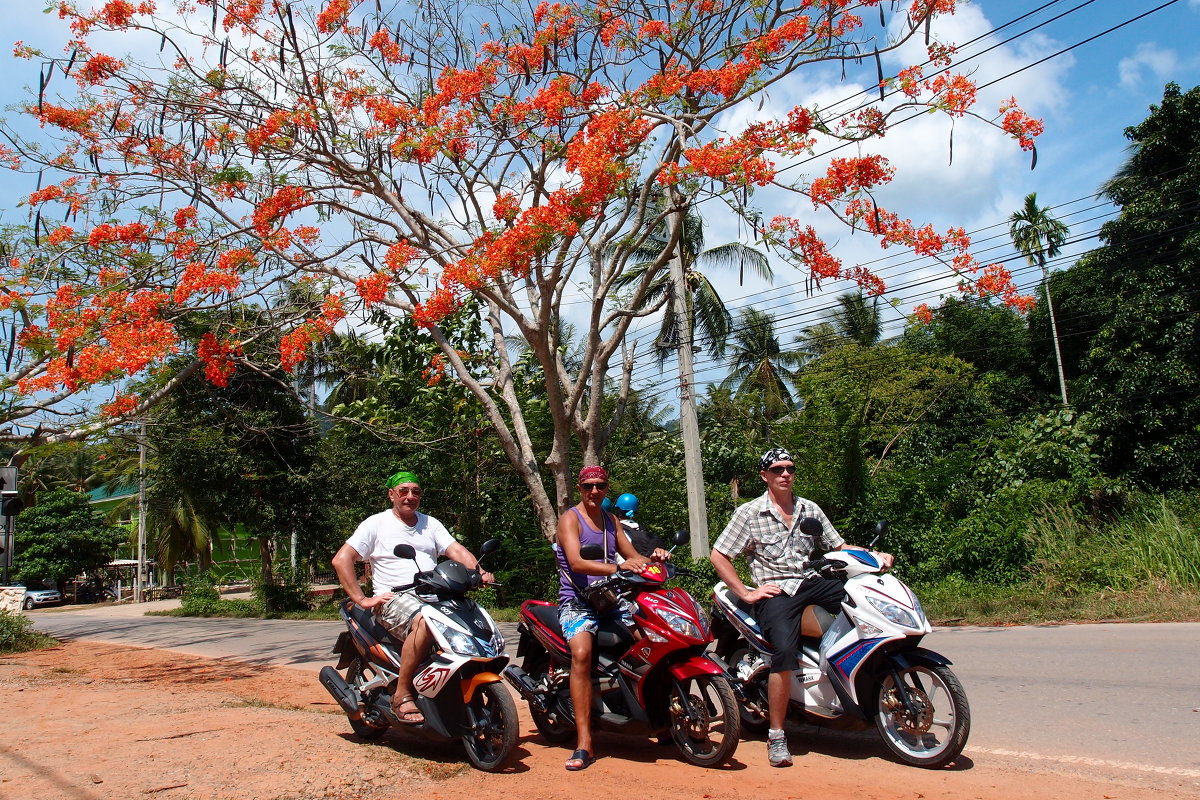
(458, 641)
(681, 625)
(893, 613)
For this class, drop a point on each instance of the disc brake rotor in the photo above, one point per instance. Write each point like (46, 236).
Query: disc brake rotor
(907, 721)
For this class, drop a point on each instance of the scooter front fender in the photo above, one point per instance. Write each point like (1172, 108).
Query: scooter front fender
(694, 666)
(472, 684)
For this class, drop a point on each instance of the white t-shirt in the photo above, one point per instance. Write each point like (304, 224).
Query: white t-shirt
(377, 536)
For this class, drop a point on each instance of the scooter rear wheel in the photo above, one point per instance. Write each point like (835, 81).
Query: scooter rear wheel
(492, 738)
(752, 704)
(363, 728)
(704, 719)
(933, 732)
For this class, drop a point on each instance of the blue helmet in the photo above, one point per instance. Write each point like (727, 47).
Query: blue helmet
(606, 504)
(628, 503)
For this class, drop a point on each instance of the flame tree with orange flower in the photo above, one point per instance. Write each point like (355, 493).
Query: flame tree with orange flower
(414, 156)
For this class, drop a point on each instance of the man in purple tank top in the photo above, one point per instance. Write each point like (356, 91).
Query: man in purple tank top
(583, 524)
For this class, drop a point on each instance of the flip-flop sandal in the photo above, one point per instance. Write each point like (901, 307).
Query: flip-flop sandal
(412, 717)
(580, 759)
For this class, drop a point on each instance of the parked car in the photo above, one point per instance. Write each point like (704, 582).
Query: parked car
(37, 594)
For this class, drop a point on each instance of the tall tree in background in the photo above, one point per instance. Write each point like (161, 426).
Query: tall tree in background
(711, 319)
(759, 366)
(855, 320)
(1142, 377)
(420, 157)
(1039, 236)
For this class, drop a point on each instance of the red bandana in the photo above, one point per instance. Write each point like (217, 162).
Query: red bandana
(593, 472)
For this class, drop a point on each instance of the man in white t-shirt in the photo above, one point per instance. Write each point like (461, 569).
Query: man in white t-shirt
(374, 541)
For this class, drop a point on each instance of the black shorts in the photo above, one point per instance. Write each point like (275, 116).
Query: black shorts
(779, 617)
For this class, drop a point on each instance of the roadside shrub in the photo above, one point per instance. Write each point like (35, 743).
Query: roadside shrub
(17, 634)
(291, 591)
(202, 599)
(1074, 556)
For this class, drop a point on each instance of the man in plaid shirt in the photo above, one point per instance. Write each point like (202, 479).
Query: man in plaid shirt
(767, 531)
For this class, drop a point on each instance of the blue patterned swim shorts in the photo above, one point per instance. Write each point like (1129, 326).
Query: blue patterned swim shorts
(576, 617)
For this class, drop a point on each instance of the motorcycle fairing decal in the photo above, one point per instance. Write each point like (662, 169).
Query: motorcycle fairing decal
(431, 679)
(863, 557)
(848, 660)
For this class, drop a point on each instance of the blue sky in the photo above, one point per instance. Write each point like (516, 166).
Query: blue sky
(1086, 96)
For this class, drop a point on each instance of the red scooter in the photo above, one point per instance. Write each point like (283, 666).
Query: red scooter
(646, 683)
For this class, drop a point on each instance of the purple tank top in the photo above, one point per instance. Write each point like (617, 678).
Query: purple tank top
(569, 579)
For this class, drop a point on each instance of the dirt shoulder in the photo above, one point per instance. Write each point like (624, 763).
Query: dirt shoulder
(89, 721)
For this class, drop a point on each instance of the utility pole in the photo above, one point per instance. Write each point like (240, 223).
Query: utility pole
(11, 506)
(689, 425)
(139, 584)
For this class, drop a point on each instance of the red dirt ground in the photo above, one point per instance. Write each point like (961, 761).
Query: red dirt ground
(85, 721)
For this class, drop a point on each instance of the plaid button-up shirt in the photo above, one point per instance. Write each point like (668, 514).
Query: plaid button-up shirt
(776, 553)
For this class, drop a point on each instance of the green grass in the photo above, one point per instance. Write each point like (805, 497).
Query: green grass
(955, 602)
(18, 636)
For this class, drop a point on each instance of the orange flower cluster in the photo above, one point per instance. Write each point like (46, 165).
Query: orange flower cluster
(436, 370)
(333, 16)
(186, 217)
(506, 207)
(399, 256)
(293, 347)
(847, 176)
(809, 248)
(78, 120)
(198, 277)
(1020, 125)
(116, 333)
(279, 128)
(217, 358)
(129, 234)
(121, 405)
(737, 162)
(98, 69)
(373, 288)
(271, 211)
(243, 13)
(954, 93)
(389, 49)
(114, 14)
(59, 235)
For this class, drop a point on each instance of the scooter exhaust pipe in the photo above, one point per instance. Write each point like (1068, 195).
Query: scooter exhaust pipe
(336, 685)
(519, 680)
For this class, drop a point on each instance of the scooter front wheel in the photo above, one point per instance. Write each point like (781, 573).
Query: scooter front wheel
(492, 732)
(704, 719)
(931, 730)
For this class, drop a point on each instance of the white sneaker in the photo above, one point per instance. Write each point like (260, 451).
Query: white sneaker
(778, 754)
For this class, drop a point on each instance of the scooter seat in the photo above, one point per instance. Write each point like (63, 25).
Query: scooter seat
(367, 620)
(612, 635)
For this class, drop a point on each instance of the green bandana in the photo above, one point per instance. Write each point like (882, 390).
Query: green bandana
(402, 477)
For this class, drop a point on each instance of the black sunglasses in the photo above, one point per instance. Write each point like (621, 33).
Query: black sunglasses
(594, 487)
(789, 469)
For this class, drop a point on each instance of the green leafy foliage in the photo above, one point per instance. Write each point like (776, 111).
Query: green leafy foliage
(62, 537)
(17, 634)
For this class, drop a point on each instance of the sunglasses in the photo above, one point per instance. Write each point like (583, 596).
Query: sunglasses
(594, 487)
(789, 469)
(403, 490)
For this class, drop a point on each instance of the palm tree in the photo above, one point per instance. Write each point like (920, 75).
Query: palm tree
(1039, 236)
(853, 321)
(711, 319)
(758, 365)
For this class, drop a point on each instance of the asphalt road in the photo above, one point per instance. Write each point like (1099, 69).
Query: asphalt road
(1119, 696)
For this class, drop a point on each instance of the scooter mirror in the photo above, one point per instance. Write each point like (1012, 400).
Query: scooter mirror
(490, 546)
(880, 531)
(681, 538)
(811, 526)
(404, 551)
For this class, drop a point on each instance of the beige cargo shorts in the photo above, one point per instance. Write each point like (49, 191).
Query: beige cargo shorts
(397, 614)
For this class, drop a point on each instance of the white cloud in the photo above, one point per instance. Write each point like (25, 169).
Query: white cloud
(1148, 60)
